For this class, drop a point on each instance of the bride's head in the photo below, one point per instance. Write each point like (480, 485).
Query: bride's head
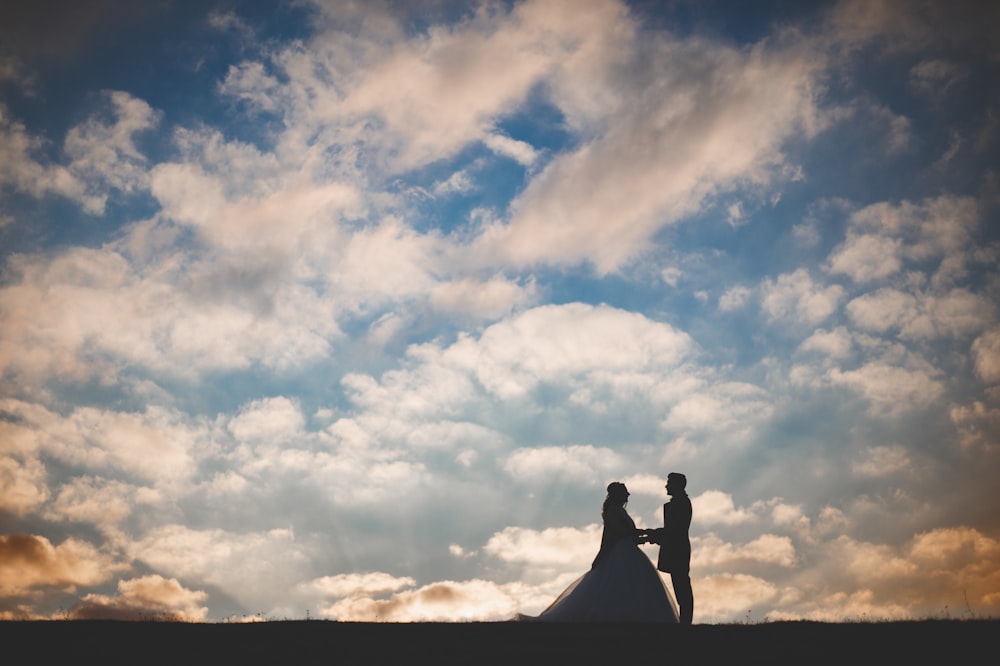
(617, 495)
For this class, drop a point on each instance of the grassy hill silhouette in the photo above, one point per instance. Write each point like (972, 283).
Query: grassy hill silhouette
(343, 643)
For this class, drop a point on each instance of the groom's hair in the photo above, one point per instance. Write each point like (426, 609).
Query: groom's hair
(679, 479)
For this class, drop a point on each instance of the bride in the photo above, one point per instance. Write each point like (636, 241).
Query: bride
(622, 584)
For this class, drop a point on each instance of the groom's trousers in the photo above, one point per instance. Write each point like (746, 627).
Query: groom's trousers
(684, 595)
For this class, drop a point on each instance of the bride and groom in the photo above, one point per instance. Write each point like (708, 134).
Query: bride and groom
(622, 585)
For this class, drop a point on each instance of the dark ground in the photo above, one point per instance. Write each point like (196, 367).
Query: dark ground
(943, 642)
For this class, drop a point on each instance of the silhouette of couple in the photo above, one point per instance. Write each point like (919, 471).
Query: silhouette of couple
(622, 585)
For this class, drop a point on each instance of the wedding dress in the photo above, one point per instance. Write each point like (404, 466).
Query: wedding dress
(621, 586)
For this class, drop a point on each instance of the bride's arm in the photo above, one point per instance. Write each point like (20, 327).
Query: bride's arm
(627, 526)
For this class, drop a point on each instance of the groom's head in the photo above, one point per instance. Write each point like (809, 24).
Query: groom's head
(676, 483)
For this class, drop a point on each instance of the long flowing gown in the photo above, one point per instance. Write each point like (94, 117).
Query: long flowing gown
(621, 586)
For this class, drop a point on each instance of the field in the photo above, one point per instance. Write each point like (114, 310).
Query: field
(943, 642)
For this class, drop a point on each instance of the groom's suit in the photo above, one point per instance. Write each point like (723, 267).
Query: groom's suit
(675, 551)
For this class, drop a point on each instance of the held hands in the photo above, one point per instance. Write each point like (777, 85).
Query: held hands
(647, 536)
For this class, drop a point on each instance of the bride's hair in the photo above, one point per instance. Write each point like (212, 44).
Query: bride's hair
(617, 496)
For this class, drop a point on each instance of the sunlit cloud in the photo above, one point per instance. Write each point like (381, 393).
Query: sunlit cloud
(583, 465)
(766, 549)
(715, 506)
(30, 561)
(465, 601)
(882, 460)
(795, 298)
(553, 547)
(143, 599)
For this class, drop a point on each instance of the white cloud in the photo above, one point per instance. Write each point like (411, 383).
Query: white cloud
(520, 151)
(333, 476)
(939, 231)
(712, 552)
(57, 312)
(560, 548)
(647, 484)
(715, 507)
(346, 585)
(836, 344)
(715, 119)
(795, 297)
(890, 389)
(98, 501)
(277, 216)
(386, 262)
(734, 298)
(225, 559)
(724, 406)
(485, 300)
(787, 514)
(562, 343)
(104, 153)
(879, 461)
(867, 257)
(920, 316)
(986, 352)
(21, 170)
(225, 486)
(736, 215)
(415, 100)
(456, 183)
(832, 520)
(577, 464)
(671, 275)
(276, 420)
(229, 21)
(154, 445)
(464, 601)
(23, 483)
(978, 426)
(881, 310)
(807, 233)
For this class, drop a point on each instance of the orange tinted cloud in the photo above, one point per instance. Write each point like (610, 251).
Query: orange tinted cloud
(28, 561)
(145, 598)
(444, 601)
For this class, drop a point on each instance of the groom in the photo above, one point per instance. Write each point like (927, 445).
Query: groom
(675, 546)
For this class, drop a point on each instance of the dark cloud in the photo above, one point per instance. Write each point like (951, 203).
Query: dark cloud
(28, 561)
(22, 548)
(122, 610)
(56, 31)
(141, 599)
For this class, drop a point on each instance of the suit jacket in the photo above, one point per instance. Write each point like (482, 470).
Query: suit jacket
(675, 546)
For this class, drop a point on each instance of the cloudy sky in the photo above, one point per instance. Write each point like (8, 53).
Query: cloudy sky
(352, 310)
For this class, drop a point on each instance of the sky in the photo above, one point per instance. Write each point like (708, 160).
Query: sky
(352, 310)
